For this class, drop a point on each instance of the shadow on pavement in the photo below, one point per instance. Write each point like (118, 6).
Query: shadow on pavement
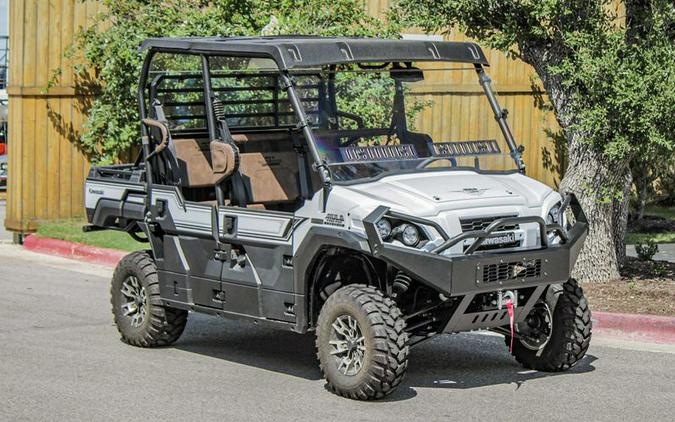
(248, 344)
(460, 361)
(467, 361)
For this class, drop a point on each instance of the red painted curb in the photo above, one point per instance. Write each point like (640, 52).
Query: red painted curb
(79, 251)
(650, 328)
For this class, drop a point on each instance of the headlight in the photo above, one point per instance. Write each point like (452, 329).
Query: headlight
(395, 230)
(410, 236)
(384, 227)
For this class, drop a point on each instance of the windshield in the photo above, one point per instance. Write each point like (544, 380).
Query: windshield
(398, 118)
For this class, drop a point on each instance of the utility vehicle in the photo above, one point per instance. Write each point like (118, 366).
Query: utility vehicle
(282, 180)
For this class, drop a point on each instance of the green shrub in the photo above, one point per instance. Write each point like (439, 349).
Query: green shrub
(646, 252)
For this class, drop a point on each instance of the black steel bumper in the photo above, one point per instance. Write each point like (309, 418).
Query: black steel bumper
(490, 270)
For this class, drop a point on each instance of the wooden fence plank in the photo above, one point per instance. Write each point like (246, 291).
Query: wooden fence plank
(28, 44)
(28, 156)
(67, 18)
(65, 110)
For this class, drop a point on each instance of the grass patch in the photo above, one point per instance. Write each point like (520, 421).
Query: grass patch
(633, 238)
(663, 212)
(657, 226)
(71, 230)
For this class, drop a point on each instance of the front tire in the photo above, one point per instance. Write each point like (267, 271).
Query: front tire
(361, 342)
(569, 332)
(136, 304)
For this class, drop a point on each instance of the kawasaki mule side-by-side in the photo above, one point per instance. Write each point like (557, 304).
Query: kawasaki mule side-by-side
(282, 180)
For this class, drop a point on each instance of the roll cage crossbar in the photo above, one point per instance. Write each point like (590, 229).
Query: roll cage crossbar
(311, 52)
(302, 51)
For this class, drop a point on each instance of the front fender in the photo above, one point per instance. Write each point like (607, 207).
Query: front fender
(306, 255)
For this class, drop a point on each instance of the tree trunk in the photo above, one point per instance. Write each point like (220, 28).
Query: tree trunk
(642, 187)
(596, 183)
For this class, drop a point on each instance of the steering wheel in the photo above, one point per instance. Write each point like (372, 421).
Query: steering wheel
(430, 160)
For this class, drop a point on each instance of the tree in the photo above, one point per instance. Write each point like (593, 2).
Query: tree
(608, 77)
(111, 60)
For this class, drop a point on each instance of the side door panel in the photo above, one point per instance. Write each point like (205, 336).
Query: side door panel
(191, 270)
(190, 273)
(264, 247)
(205, 269)
(251, 274)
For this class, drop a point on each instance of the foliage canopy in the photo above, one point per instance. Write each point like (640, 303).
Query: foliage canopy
(109, 48)
(609, 70)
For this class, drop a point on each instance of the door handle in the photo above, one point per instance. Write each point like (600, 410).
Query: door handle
(230, 227)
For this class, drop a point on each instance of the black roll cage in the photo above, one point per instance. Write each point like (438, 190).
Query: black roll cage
(288, 84)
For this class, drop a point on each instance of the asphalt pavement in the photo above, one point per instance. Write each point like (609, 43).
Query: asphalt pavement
(61, 359)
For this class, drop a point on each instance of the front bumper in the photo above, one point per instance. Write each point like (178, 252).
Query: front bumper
(472, 272)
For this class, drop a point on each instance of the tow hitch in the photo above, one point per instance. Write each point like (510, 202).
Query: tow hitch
(509, 296)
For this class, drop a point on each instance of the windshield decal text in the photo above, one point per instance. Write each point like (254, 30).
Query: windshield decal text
(378, 153)
(459, 149)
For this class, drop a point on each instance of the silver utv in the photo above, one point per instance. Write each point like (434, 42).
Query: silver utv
(281, 180)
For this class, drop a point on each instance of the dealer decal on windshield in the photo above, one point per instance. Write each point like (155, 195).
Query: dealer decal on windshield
(378, 153)
(459, 149)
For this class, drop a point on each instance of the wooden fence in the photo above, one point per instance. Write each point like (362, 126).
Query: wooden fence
(46, 168)
(47, 171)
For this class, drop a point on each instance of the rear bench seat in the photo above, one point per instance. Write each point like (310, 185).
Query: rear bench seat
(268, 164)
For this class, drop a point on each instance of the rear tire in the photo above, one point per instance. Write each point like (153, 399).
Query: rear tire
(570, 333)
(361, 342)
(136, 304)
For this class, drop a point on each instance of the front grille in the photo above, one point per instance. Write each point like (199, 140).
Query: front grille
(508, 271)
(469, 224)
(513, 244)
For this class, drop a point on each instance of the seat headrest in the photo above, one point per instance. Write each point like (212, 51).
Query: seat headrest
(223, 160)
(203, 163)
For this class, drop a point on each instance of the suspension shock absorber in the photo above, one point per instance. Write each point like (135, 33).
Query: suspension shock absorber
(401, 284)
(218, 109)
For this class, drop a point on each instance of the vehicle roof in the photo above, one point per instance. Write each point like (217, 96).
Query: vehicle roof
(301, 51)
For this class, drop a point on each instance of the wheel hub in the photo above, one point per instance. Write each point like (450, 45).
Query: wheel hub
(349, 345)
(135, 301)
(538, 327)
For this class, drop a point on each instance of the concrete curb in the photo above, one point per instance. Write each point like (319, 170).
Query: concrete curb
(648, 328)
(78, 251)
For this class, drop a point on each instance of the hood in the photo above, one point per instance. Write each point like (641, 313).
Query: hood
(425, 194)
